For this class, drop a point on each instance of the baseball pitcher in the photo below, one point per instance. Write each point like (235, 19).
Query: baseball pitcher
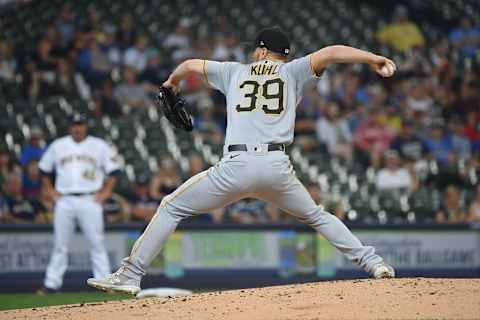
(80, 164)
(261, 101)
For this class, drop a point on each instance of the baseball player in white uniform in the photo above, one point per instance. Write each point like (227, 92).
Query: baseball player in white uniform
(261, 101)
(80, 164)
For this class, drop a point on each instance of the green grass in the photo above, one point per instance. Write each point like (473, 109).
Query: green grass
(32, 300)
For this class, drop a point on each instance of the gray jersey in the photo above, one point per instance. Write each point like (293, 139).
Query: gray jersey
(261, 98)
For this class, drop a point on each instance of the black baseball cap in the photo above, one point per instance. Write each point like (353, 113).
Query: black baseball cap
(274, 39)
(78, 118)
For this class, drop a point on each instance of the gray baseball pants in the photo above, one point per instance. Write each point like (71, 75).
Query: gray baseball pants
(260, 174)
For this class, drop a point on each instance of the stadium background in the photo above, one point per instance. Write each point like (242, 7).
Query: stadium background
(418, 131)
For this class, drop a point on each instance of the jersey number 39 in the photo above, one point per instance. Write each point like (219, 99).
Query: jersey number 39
(272, 102)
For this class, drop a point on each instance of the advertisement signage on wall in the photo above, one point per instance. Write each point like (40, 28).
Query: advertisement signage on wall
(423, 250)
(30, 252)
(288, 252)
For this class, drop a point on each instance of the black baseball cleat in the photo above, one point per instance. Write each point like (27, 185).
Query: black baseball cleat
(44, 291)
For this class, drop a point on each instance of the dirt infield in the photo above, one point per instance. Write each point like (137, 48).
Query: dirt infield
(408, 298)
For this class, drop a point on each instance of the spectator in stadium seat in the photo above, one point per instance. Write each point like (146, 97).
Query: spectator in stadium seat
(448, 173)
(472, 127)
(166, 181)
(207, 125)
(47, 204)
(465, 37)
(58, 49)
(196, 164)
(451, 210)
(460, 144)
(474, 209)
(66, 24)
(94, 18)
(93, 62)
(357, 116)
(2, 208)
(31, 81)
(419, 101)
(116, 209)
(442, 66)
(110, 46)
(31, 182)
(251, 211)
(7, 166)
(105, 103)
(46, 65)
(350, 90)
(130, 92)
(179, 39)
(227, 49)
(409, 146)
(331, 205)
(395, 177)
(468, 99)
(45, 62)
(333, 130)
(372, 137)
(19, 209)
(136, 56)
(42, 73)
(33, 150)
(402, 34)
(8, 63)
(180, 43)
(438, 144)
(308, 110)
(126, 33)
(155, 73)
(64, 82)
(143, 207)
(392, 119)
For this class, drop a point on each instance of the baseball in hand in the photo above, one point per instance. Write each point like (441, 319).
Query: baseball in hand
(387, 69)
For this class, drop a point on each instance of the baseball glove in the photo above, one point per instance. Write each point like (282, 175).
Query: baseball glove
(173, 107)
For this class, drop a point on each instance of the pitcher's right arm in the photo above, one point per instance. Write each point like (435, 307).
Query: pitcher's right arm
(324, 57)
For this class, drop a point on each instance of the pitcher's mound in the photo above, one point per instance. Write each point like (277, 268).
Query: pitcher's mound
(408, 298)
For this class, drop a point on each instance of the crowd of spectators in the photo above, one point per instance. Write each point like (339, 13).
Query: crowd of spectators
(428, 115)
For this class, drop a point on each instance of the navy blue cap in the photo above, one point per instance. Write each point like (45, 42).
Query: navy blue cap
(78, 118)
(142, 179)
(274, 39)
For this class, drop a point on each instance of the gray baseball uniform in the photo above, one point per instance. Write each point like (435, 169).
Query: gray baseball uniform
(261, 102)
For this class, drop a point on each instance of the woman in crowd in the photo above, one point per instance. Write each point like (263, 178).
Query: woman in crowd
(474, 211)
(451, 210)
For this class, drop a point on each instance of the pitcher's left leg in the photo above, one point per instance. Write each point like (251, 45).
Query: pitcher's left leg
(203, 192)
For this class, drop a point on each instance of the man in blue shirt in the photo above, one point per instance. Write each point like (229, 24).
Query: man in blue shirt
(466, 37)
(438, 144)
(33, 150)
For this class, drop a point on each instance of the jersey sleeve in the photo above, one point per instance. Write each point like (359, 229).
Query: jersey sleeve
(301, 71)
(47, 162)
(110, 159)
(219, 74)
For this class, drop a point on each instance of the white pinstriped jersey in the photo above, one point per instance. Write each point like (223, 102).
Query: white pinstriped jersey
(261, 98)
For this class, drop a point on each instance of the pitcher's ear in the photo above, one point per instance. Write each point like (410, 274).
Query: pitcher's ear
(264, 52)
